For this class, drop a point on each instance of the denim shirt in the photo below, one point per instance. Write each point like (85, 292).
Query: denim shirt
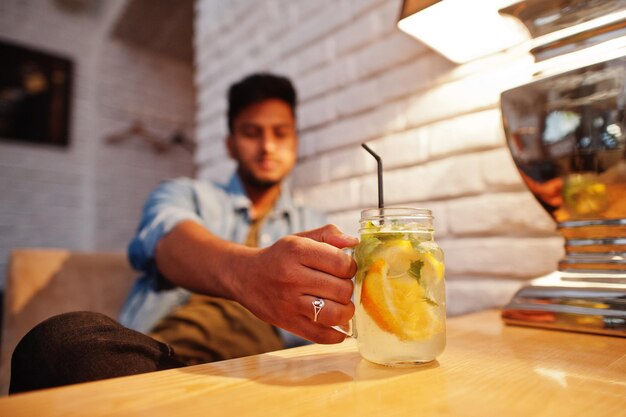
(222, 209)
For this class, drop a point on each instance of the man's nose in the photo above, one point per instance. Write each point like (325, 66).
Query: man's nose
(269, 141)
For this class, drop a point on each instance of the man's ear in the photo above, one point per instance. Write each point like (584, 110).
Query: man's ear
(230, 146)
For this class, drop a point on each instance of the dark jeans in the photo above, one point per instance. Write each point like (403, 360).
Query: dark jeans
(84, 346)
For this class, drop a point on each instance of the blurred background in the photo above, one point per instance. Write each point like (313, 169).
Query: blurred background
(148, 98)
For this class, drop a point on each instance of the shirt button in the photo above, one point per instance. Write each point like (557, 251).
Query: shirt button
(265, 239)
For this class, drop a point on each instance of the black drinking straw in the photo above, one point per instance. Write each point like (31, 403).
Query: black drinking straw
(379, 162)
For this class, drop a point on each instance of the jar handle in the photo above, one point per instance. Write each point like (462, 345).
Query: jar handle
(349, 329)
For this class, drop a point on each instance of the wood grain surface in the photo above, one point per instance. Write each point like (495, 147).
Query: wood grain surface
(488, 369)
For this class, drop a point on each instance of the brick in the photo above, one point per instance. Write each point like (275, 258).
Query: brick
(313, 83)
(330, 197)
(386, 53)
(512, 257)
(387, 119)
(311, 172)
(364, 6)
(282, 17)
(307, 141)
(212, 129)
(236, 37)
(358, 97)
(316, 26)
(403, 185)
(216, 17)
(338, 134)
(415, 75)
(479, 91)
(499, 214)
(288, 68)
(322, 80)
(444, 102)
(210, 87)
(350, 162)
(211, 104)
(401, 149)
(387, 15)
(368, 191)
(313, 56)
(467, 133)
(308, 9)
(499, 171)
(213, 151)
(316, 112)
(357, 33)
(453, 177)
(268, 59)
(203, 21)
(363, 127)
(441, 179)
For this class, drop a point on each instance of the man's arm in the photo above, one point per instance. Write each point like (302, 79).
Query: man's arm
(277, 283)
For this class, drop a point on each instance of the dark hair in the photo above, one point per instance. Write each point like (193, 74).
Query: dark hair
(256, 88)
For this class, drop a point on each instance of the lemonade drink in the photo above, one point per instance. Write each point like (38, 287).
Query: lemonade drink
(399, 288)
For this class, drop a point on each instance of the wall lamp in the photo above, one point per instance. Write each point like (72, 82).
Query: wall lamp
(464, 30)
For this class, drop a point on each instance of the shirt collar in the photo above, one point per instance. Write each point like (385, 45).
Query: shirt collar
(238, 193)
(284, 203)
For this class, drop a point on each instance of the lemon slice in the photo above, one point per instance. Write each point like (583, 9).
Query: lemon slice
(415, 316)
(433, 268)
(398, 255)
(398, 305)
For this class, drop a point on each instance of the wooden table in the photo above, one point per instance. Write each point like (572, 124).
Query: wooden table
(487, 370)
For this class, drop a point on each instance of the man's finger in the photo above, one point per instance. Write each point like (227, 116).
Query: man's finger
(315, 332)
(326, 258)
(329, 313)
(332, 235)
(320, 284)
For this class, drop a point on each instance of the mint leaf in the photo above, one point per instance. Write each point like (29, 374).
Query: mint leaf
(416, 270)
(369, 226)
(365, 249)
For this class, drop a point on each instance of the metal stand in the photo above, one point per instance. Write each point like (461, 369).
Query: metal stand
(581, 302)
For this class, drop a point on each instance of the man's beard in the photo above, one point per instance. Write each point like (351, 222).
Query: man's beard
(257, 183)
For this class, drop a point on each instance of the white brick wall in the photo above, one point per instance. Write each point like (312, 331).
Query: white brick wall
(436, 125)
(88, 196)
(163, 101)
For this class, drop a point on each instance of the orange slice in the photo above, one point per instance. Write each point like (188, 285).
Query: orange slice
(397, 304)
(373, 298)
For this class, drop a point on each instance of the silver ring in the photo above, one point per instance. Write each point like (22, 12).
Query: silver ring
(318, 305)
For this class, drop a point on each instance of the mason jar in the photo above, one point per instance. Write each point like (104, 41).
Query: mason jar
(399, 288)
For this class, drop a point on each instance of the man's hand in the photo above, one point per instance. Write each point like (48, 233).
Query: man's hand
(279, 283)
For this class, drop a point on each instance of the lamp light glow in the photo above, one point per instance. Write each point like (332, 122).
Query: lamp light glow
(464, 30)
